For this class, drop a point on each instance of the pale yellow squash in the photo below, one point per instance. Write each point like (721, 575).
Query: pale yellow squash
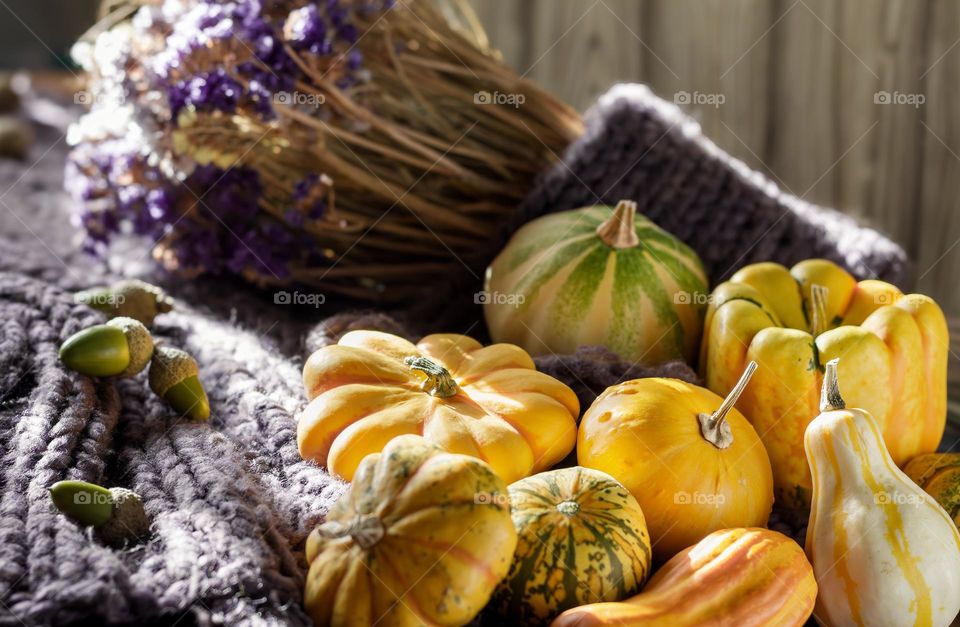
(883, 551)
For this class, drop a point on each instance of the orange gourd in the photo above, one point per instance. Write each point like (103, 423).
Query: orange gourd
(742, 577)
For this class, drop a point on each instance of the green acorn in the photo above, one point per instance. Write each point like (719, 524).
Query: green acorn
(133, 299)
(119, 348)
(16, 137)
(117, 514)
(9, 98)
(173, 377)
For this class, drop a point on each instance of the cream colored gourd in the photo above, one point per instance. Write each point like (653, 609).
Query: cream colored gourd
(883, 551)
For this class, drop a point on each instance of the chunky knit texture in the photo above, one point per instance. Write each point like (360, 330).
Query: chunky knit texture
(230, 500)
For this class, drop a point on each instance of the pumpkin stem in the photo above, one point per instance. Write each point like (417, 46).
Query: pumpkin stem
(364, 530)
(619, 231)
(818, 309)
(439, 382)
(714, 427)
(830, 399)
(568, 508)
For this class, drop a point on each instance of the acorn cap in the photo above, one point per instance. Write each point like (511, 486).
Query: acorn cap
(131, 298)
(128, 521)
(174, 378)
(139, 344)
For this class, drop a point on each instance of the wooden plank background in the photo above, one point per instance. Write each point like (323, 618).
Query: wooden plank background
(799, 79)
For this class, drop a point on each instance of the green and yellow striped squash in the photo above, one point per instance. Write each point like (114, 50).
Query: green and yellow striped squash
(939, 475)
(597, 276)
(582, 538)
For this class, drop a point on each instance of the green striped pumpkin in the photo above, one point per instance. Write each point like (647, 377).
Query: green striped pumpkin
(582, 538)
(597, 276)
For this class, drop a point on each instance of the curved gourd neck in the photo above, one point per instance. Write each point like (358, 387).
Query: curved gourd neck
(714, 427)
(619, 230)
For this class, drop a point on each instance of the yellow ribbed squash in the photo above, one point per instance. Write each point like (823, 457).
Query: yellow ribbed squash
(581, 538)
(883, 551)
(742, 577)
(894, 350)
(421, 537)
(939, 475)
(692, 461)
(489, 402)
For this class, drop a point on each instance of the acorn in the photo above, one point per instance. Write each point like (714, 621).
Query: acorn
(9, 98)
(116, 514)
(16, 137)
(119, 348)
(131, 298)
(174, 378)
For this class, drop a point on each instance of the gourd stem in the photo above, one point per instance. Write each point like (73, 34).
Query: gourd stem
(713, 426)
(830, 399)
(568, 508)
(439, 382)
(366, 531)
(618, 231)
(818, 309)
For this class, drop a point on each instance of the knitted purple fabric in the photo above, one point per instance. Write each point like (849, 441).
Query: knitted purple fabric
(231, 501)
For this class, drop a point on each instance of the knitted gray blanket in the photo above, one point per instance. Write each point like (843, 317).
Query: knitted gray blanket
(231, 501)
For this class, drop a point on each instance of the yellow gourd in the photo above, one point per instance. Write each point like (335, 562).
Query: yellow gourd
(420, 537)
(489, 402)
(794, 321)
(883, 551)
(692, 461)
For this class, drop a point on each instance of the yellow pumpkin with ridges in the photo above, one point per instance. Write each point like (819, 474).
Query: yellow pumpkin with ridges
(791, 322)
(421, 537)
(485, 401)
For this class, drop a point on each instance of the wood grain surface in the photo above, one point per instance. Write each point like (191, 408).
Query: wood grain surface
(803, 83)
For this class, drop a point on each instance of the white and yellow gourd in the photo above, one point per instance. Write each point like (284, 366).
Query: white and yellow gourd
(883, 551)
